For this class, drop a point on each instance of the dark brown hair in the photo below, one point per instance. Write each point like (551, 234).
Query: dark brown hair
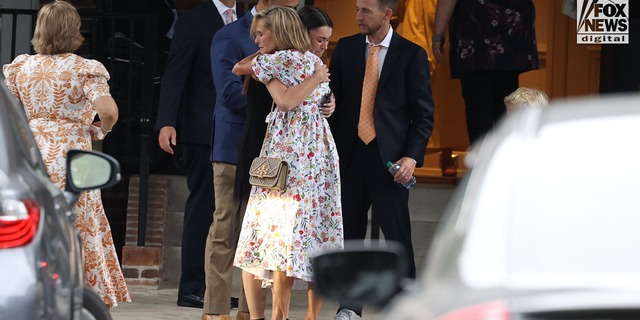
(314, 18)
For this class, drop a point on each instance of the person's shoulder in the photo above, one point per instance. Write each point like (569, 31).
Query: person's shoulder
(235, 30)
(408, 48)
(84, 61)
(288, 53)
(21, 59)
(200, 9)
(278, 58)
(194, 24)
(194, 15)
(358, 37)
(13, 67)
(227, 32)
(406, 44)
(90, 66)
(312, 57)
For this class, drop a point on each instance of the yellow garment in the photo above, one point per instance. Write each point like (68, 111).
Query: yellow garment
(450, 127)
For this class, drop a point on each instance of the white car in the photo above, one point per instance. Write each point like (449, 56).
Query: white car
(545, 225)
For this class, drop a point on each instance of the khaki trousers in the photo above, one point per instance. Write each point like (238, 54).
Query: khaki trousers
(218, 257)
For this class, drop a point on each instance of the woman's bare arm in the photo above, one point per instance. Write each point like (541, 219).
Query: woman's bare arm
(444, 10)
(243, 67)
(288, 98)
(107, 111)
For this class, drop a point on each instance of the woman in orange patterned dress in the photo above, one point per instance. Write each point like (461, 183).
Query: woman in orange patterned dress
(61, 94)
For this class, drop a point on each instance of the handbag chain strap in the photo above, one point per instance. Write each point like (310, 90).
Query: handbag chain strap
(264, 142)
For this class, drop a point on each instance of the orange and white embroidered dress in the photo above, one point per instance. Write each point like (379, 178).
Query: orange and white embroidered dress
(57, 92)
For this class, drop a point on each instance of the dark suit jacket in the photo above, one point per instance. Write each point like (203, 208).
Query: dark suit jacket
(162, 9)
(403, 111)
(188, 75)
(230, 45)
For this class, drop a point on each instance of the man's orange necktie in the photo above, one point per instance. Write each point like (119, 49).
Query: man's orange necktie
(366, 127)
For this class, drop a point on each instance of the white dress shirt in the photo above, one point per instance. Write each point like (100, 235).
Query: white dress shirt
(382, 53)
(222, 9)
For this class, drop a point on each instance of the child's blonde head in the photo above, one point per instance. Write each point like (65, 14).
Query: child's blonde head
(524, 97)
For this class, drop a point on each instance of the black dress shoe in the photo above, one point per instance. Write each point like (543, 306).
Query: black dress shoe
(193, 300)
(234, 303)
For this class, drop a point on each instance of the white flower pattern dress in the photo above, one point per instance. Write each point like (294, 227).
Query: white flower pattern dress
(57, 92)
(284, 230)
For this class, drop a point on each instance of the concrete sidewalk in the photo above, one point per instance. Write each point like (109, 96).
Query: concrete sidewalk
(153, 304)
(160, 304)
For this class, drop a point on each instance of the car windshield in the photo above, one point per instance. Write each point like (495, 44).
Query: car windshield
(576, 205)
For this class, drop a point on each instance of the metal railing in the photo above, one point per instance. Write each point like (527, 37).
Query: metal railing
(114, 46)
(14, 13)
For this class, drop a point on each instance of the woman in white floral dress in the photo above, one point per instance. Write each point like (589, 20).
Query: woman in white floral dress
(283, 230)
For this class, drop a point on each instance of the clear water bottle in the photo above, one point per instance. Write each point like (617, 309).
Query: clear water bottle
(393, 168)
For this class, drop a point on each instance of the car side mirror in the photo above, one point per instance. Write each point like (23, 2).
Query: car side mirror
(87, 170)
(359, 276)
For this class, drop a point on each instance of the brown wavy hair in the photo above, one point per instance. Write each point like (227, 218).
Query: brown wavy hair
(57, 29)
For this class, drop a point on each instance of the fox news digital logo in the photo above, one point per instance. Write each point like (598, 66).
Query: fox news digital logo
(603, 21)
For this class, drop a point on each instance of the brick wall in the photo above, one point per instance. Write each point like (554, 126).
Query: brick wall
(142, 266)
(155, 211)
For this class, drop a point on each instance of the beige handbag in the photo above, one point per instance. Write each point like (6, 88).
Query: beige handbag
(269, 172)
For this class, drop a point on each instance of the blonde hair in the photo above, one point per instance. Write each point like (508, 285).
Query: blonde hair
(286, 26)
(523, 97)
(57, 29)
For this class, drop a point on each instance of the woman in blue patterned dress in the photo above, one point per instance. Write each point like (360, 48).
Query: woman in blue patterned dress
(284, 229)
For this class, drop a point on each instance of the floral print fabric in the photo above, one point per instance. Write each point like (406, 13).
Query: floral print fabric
(284, 230)
(57, 92)
(493, 35)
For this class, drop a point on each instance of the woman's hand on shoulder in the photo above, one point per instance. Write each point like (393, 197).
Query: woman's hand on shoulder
(322, 72)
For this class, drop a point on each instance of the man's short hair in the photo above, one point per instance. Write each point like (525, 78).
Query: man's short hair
(391, 4)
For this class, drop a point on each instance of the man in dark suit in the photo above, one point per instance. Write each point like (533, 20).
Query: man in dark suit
(384, 112)
(230, 45)
(187, 82)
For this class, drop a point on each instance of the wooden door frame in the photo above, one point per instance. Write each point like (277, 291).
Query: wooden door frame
(558, 44)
